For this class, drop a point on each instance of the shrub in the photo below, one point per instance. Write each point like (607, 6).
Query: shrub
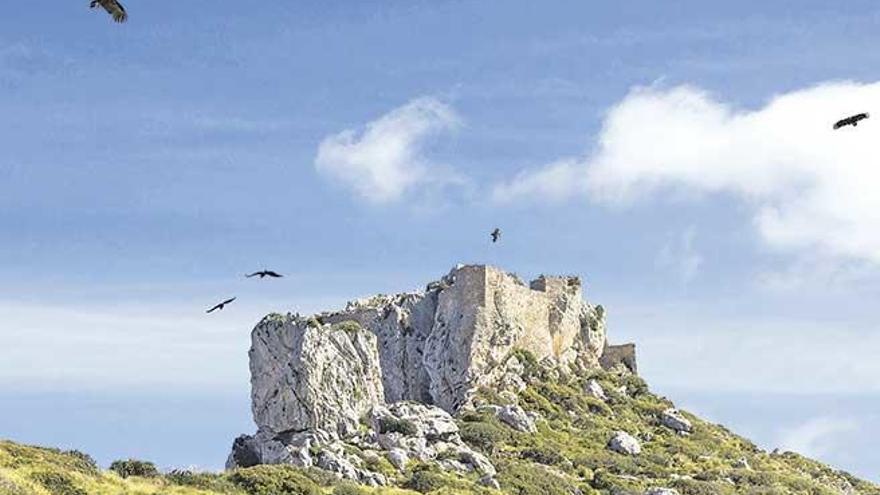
(348, 488)
(57, 483)
(82, 462)
(427, 478)
(529, 479)
(482, 435)
(134, 467)
(273, 480)
(388, 424)
(348, 326)
(204, 481)
(543, 456)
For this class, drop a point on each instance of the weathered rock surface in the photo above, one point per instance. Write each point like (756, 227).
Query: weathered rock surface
(595, 390)
(674, 420)
(661, 491)
(624, 443)
(385, 373)
(310, 376)
(516, 418)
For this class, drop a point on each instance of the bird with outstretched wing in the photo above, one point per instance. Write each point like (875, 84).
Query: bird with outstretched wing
(853, 120)
(113, 7)
(220, 306)
(265, 273)
(496, 234)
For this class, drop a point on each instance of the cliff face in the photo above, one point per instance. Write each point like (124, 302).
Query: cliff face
(320, 376)
(435, 347)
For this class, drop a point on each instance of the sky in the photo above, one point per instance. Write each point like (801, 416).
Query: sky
(677, 155)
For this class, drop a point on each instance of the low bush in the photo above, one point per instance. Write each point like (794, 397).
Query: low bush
(204, 481)
(134, 467)
(390, 424)
(348, 488)
(483, 435)
(274, 480)
(57, 483)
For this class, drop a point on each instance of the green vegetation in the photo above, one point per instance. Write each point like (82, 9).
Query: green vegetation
(348, 326)
(134, 467)
(390, 424)
(568, 455)
(569, 451)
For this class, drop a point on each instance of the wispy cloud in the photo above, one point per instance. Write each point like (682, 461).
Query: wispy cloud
(386, 159)
(810, 188)
(709, 347)
(89, 347)
(816, 437)
(680, 256)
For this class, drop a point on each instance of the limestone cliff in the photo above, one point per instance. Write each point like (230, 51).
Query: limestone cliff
(317, 379)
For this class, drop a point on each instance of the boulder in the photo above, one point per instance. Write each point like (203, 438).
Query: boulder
(595, 390)
(517, 418)
(398, 457)
(624, 443)
(674, 420)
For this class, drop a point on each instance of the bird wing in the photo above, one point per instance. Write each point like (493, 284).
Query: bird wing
(228, 301)
(115, 9)
(215, 308)
(273, 274)
(840, 123)
(252, 275)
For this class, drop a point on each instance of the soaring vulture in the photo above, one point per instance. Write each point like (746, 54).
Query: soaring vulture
(496, 234)
(220, 306)
(113, 8)
(265, 273)
(853, 121)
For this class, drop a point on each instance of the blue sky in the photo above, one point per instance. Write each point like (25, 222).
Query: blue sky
(674, 154)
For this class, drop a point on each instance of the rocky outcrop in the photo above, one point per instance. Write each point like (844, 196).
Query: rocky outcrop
(385, 373)
(305, 375)
(624, 443)
(674, 420)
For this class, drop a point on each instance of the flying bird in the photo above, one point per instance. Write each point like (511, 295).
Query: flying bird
(496, 234)
(220, 306)
(853, 121)
(265, 273)
(113, 7)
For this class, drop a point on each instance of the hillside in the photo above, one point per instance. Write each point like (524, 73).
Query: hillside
(479, 384)
(568, 454)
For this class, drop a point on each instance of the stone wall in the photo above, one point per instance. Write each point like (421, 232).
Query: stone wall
(616, 356)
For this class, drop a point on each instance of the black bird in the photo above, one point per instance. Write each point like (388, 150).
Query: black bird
(265, 273)
(496, 234)
(220, 306)
(113, 7)
(853, 121)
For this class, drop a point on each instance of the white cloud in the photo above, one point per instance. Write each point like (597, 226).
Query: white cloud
(816, 437)
(810, 187)
(558, 181)
(707, 346)
(386, 159)
(681, 256)
(83, 347)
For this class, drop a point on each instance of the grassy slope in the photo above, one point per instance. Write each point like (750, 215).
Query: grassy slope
(567, 455)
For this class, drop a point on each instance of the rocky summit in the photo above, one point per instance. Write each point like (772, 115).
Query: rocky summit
(412, 359)
(481, 383)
